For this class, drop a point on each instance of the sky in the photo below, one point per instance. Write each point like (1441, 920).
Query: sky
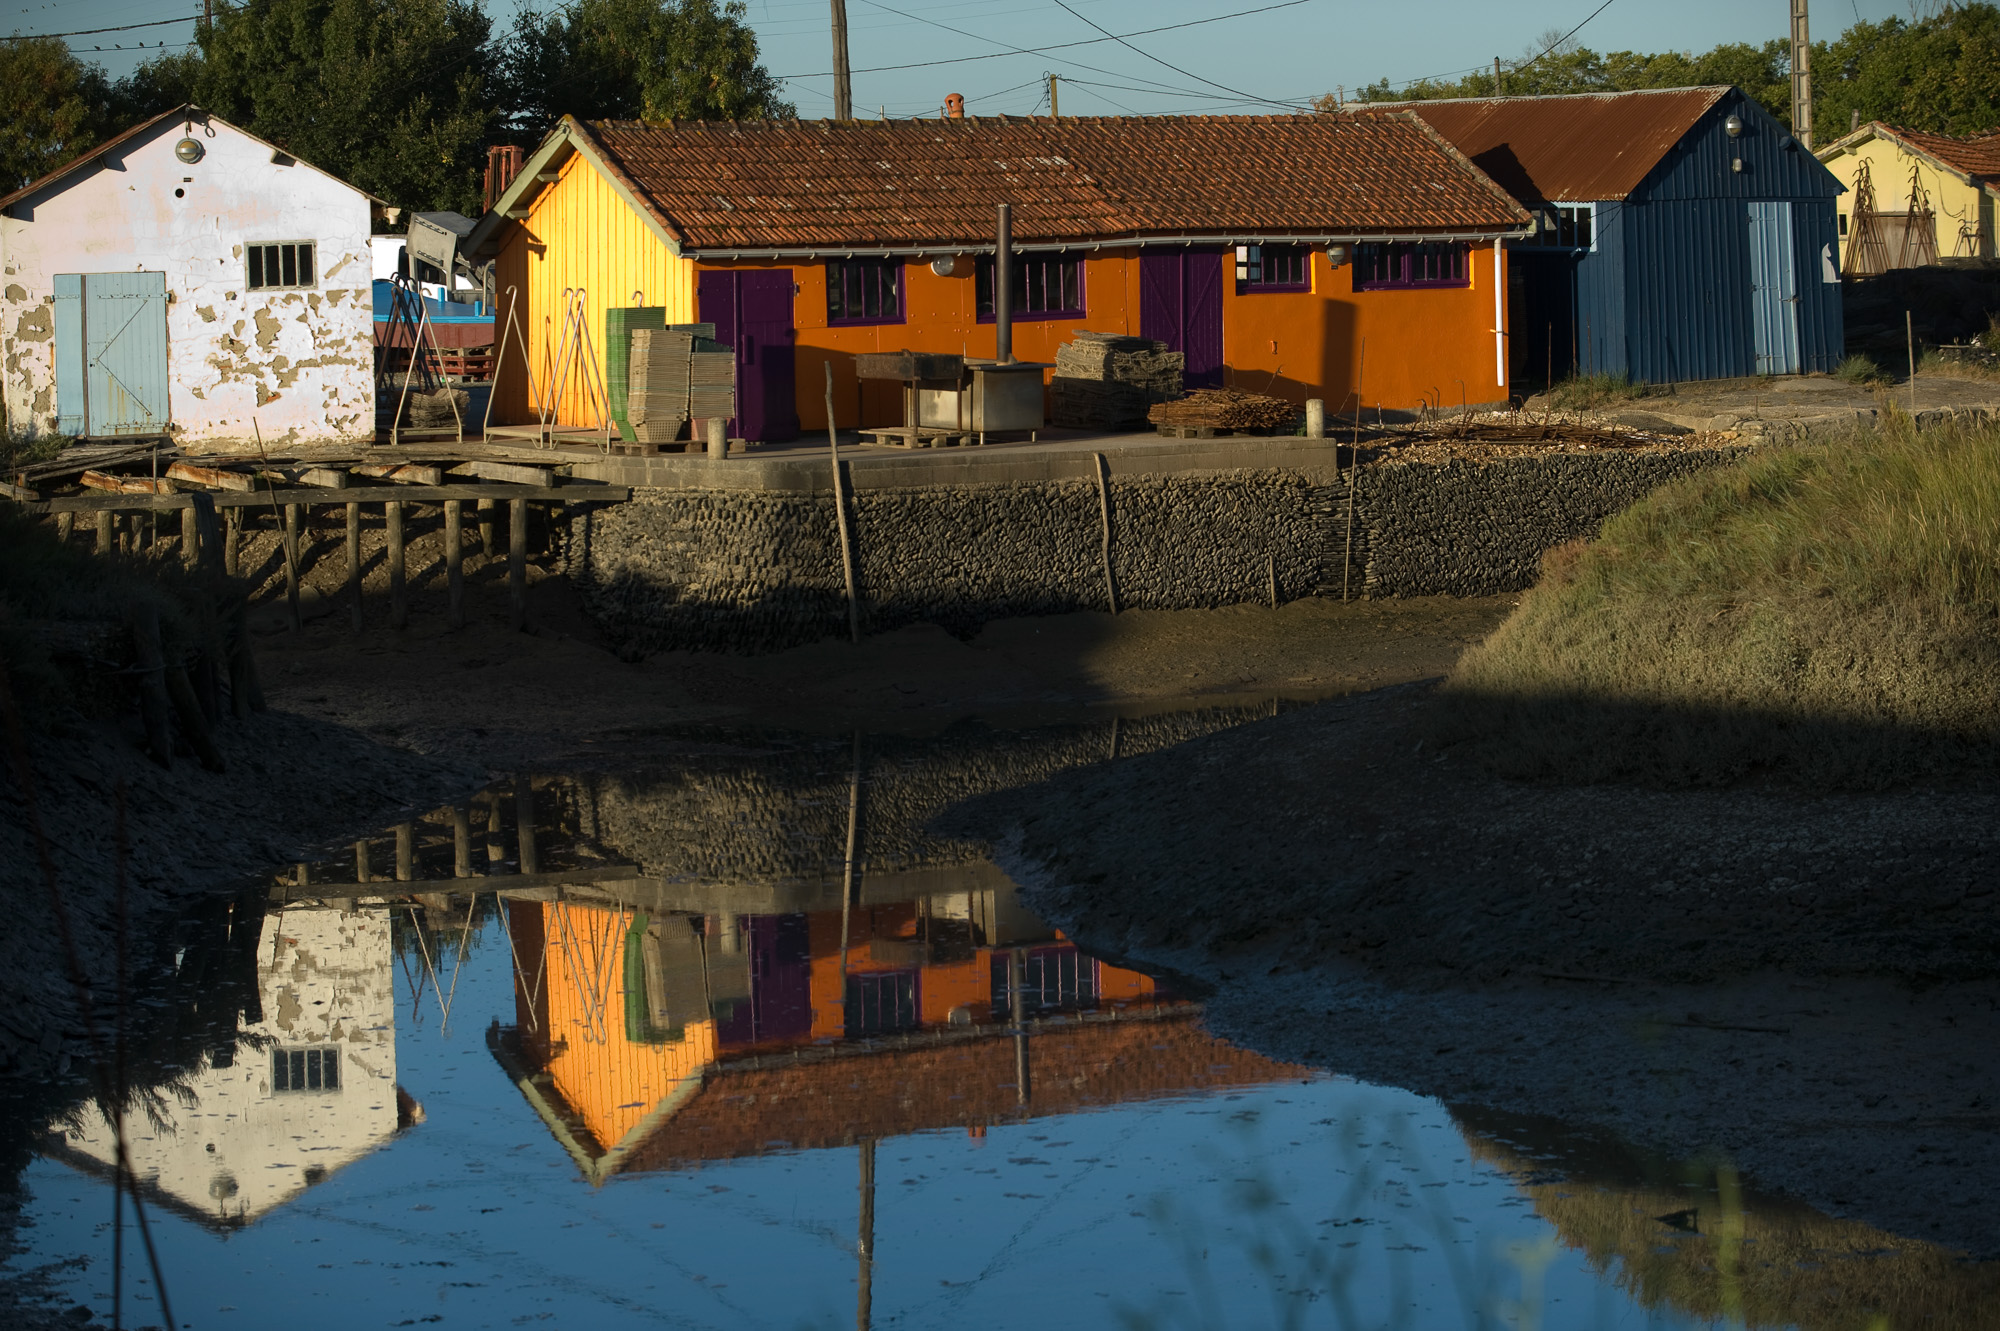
(907, 54)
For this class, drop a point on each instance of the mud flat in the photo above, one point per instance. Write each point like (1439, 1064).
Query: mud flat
(1806, 983)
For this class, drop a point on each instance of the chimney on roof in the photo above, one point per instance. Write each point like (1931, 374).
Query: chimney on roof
(503, 163)
(954, 105)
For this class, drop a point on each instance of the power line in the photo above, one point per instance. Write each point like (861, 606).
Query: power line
(1059, 46)
(1453, 73)
(1176, 68)
(92, 32)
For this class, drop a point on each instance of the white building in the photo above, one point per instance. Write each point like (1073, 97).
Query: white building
(187, 279)
(310, 1088)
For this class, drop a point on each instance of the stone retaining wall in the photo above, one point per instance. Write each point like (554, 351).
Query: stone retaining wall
(760, 570)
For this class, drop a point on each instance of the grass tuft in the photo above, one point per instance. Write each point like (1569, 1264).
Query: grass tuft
(1860, 369)
(1584, 391)
(1827, 613)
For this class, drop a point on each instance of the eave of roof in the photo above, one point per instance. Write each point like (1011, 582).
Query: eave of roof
(1876, 129)
(193, 115)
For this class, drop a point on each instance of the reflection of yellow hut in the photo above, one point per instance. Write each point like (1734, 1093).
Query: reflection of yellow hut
(1754, 1260)
(309, 1088)
(1958, 178)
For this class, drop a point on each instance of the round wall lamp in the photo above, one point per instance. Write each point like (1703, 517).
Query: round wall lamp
(1338, 254)
(1733, 126)
(950, 265)
(189, 151)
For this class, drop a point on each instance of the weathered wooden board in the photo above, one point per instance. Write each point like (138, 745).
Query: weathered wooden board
(214, 478)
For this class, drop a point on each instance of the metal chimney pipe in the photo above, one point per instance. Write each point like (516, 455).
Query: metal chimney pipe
(1003, 286)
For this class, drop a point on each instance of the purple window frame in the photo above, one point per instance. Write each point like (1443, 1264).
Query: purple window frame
(1410, 264)
(854, 277)
(1253, 262)
(1025, 292)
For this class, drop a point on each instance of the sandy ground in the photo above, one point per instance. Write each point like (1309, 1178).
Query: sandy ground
(1779, 405)
(1805, 983)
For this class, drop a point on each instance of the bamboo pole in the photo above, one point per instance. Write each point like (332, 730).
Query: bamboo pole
(454, 561)
(840, 515)
(354, 564)
(399, 596)
(517, 562)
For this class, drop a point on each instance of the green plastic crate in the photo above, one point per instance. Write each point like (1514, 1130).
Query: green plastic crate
(618, 326)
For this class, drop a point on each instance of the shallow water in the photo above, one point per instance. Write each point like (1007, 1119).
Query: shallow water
(738, 1042)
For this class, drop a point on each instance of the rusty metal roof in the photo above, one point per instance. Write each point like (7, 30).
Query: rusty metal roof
(721, 186)
(1570, 149)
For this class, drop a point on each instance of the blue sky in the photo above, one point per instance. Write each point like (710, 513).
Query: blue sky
(1285, 54)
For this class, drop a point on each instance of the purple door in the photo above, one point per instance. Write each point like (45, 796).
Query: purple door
(1180, 304)
(752, 312)
(780, 1006)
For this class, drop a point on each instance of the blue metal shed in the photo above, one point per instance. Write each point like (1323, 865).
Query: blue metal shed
(1685, 234)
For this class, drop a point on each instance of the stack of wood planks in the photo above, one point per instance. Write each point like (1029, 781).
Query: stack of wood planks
(1106, 381)
(677, 376)
(1223, 411)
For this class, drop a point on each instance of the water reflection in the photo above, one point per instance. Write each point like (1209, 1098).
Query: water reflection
(749, 1026)
(304, 1084)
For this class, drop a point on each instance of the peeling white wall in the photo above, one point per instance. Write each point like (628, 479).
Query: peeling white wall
(231, 1148)
(300, 363)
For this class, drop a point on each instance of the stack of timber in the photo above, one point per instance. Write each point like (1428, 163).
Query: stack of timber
(1211, 411)
(1104, 381)
(677, 376)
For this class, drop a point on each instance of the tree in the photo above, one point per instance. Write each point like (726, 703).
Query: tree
(52, 108)
(159, 85)
(636, 60)
(389, 95)
(1940, 74)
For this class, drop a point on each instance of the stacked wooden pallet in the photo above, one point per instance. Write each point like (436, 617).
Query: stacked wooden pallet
(1106, 381)
(674, 377)
(1223, 411)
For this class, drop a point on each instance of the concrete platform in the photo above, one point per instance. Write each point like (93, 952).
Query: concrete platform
(802, 467)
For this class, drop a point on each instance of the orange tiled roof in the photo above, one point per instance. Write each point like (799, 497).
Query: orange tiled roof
(1978, 157)
(791, 184)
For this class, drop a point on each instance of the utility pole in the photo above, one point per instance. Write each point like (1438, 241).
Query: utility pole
(1053, 113)
(1802, 120)
(843, 82)
(1496, 72)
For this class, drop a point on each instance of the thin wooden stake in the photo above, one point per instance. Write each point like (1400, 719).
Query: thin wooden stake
(1271, 577)
(291, 539)
(1353, 471)
(1103, 470)
(1910, 337)
(454, 560)
(517, 561)
(354, 564)
(840, 515)
(399, 598)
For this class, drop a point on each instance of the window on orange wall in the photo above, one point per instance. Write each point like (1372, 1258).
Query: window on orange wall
(1405, 263)
(1273, 268)
(864, 291)
(1045, 287)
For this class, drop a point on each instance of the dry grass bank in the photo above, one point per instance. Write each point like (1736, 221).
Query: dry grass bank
(1827, 613)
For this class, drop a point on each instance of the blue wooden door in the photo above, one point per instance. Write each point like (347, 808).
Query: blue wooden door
(111, 354)
(1774, 289)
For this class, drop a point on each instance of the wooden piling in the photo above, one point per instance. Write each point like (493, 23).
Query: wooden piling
(65, 526)
(362, 872)
(399, 592)
(485, 510)
(143, 618)
(291, 541)
(454, 561)
(524, 825)
(461, 841)
(496, 850)
(194, 725)
(406, 852)
(354, 565)
(517, 561)
(106, 530)
(232, 538)
(190, 538)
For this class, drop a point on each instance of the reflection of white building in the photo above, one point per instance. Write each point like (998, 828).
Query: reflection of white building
(311, 1087)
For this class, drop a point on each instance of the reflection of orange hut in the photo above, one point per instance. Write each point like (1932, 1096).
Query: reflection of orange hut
(652, 1041)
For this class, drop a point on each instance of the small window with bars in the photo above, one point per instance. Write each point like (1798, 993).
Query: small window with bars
(881, 1003)
(1403, 263)
(286, 264)
(1051, 978)
(1044, 288)
(1566, 226)
(864, 291)
(1273, 268)
(313, 1069)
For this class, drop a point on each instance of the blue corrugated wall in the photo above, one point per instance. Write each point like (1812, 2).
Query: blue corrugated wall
(1666, 296)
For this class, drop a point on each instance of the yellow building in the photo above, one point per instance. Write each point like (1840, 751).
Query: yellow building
(1957, 179)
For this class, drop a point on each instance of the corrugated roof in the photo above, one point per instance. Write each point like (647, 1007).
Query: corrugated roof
(1570, 149)
(1976, 158)
(720, 186)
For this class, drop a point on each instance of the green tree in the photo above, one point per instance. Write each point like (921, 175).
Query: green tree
(52, 108)
(636, 60)
(1941, 74)
(390, 95)
(159, 85)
